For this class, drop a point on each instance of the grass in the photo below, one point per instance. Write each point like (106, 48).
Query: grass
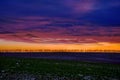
(59, 67)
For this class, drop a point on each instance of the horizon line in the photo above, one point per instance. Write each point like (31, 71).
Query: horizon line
(62, 50)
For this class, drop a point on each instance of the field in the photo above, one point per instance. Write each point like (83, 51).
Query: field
(22, 68)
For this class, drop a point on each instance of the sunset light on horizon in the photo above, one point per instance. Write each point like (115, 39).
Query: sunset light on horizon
(58, 47)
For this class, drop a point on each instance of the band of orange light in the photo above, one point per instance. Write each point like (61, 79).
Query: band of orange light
(100, 46)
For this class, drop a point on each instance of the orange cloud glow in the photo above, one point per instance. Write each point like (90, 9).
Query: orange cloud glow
(81, 47)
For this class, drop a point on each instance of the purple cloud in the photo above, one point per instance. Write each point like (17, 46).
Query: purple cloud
(80, 6)
(56, 30)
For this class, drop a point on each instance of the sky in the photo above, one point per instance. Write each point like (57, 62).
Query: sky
(60, 24)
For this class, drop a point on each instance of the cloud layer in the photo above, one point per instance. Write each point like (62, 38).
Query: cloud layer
(60, 21)
(56, 30)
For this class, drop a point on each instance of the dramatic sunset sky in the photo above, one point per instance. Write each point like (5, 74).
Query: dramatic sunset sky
(60, 24)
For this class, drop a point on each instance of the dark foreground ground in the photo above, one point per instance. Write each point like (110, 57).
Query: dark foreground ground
(89, 57)
(59, 66)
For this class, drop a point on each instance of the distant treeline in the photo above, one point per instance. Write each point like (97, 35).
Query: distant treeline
(64, 50)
